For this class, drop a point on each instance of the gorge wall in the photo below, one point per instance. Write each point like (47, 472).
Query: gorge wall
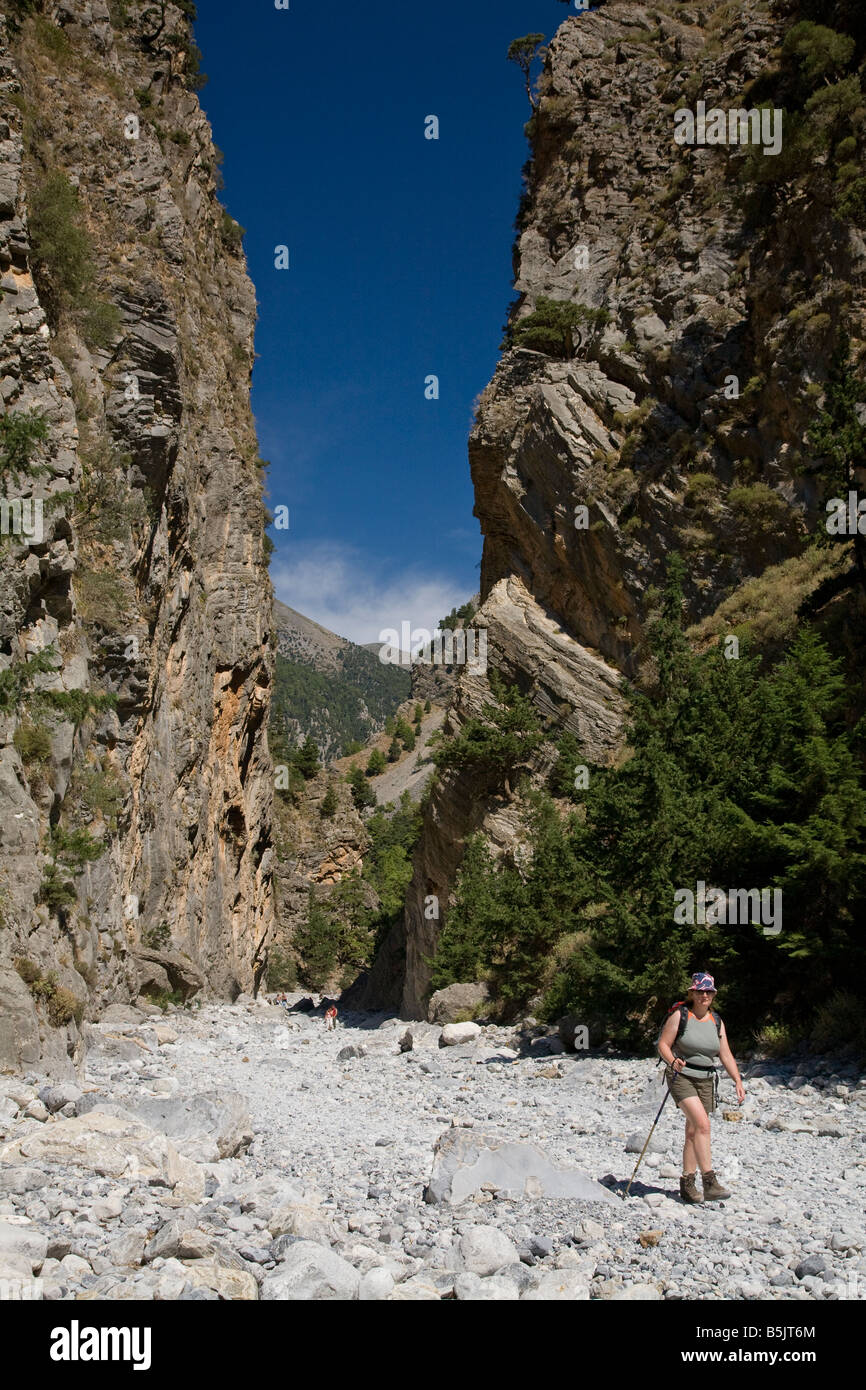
(680, 422)
(135, 652)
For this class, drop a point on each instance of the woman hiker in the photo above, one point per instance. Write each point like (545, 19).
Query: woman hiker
(691, 1078)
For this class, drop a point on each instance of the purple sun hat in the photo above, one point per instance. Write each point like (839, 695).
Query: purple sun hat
(700, 980)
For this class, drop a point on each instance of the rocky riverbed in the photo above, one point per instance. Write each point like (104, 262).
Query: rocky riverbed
(242, 1152)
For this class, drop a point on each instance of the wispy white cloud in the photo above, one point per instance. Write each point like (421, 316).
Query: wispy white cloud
(343, 590)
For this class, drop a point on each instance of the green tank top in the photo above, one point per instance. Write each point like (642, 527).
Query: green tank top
(699, 1042)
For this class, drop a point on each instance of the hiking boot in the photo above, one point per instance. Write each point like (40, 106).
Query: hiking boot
(689, 1189)
(713, 1190)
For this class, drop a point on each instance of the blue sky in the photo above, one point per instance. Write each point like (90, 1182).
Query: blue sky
(399, 268)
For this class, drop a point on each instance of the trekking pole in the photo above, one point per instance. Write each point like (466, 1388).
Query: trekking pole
(644, 1149)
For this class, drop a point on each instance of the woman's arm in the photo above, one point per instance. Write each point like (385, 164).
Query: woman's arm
(666, 1041)
(726, 1057)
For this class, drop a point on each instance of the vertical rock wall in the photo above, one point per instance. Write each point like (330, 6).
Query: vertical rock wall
(148, 591)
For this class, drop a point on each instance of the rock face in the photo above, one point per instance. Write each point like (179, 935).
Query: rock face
(678, 423)
(134, 768)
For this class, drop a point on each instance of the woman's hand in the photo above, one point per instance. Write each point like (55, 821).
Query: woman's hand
(678, 1064)
(741, 1092)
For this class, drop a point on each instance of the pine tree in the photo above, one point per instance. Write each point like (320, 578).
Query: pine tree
(377, 763)
(394, 751)
(329, 804)
(362, 793)
(307, 759)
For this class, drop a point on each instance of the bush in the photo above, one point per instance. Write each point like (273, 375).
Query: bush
(550, 328)
(19, 434)
(59, 243)
(33, 742)
(163, 997)
(63, 1006)
(778, 1039)
(55, 891)
(157, 938)
(101, 322)
(28, 970)
(759, 509)
(329, 804)
(231, 233)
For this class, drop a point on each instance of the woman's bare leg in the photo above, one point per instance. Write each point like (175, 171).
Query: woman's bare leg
(696, 1149)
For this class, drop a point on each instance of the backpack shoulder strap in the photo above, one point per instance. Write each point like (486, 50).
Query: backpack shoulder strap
(684, 1018)
(717, 1020)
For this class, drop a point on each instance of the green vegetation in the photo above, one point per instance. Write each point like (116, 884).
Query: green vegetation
(336, 708)
(63, 260)
(306, 759)
(457, 617)
(63, 1006)
(552, 325)
(742, 774)
(282, 969)
(394, 750)
(157, 938)
(376, 763)
(344, 929)
(817, 84)
(362, 793)
(20, 432)
(231, 233)
(33, 742)
(329, 804)
(164, 997)
(837, 436)
(496, 744)
(523, 52)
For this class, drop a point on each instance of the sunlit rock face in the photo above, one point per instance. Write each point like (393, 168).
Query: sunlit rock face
(149, 583)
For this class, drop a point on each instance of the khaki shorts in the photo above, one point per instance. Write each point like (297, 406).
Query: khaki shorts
(682, 1087)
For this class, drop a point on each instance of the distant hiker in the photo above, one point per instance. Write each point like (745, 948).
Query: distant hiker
(690, 1042)
(330, 1018)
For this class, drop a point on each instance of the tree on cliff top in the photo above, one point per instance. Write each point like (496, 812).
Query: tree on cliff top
(523, 52)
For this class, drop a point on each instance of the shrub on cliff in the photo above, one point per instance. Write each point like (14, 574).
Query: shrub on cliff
(496, 744)
(552, 326)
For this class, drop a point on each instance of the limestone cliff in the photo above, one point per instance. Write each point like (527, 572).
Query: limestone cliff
(713, 291)
(135, 657)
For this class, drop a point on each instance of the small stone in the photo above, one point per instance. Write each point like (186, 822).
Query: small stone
(650, 1238)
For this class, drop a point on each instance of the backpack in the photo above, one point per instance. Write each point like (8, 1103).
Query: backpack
(684, 1018)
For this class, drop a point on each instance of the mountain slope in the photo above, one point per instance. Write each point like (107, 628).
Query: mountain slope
(328, 688)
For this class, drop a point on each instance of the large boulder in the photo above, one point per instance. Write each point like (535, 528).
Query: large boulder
(485, 1250)
(311, 1271)
(447, 1005)
(453, 1034)
(465, 1159)
(206, 1127)
(113, 1146)
(156, 969)
(22, 1247)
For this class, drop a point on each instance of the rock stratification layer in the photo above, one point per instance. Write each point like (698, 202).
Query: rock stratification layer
(134, 768)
